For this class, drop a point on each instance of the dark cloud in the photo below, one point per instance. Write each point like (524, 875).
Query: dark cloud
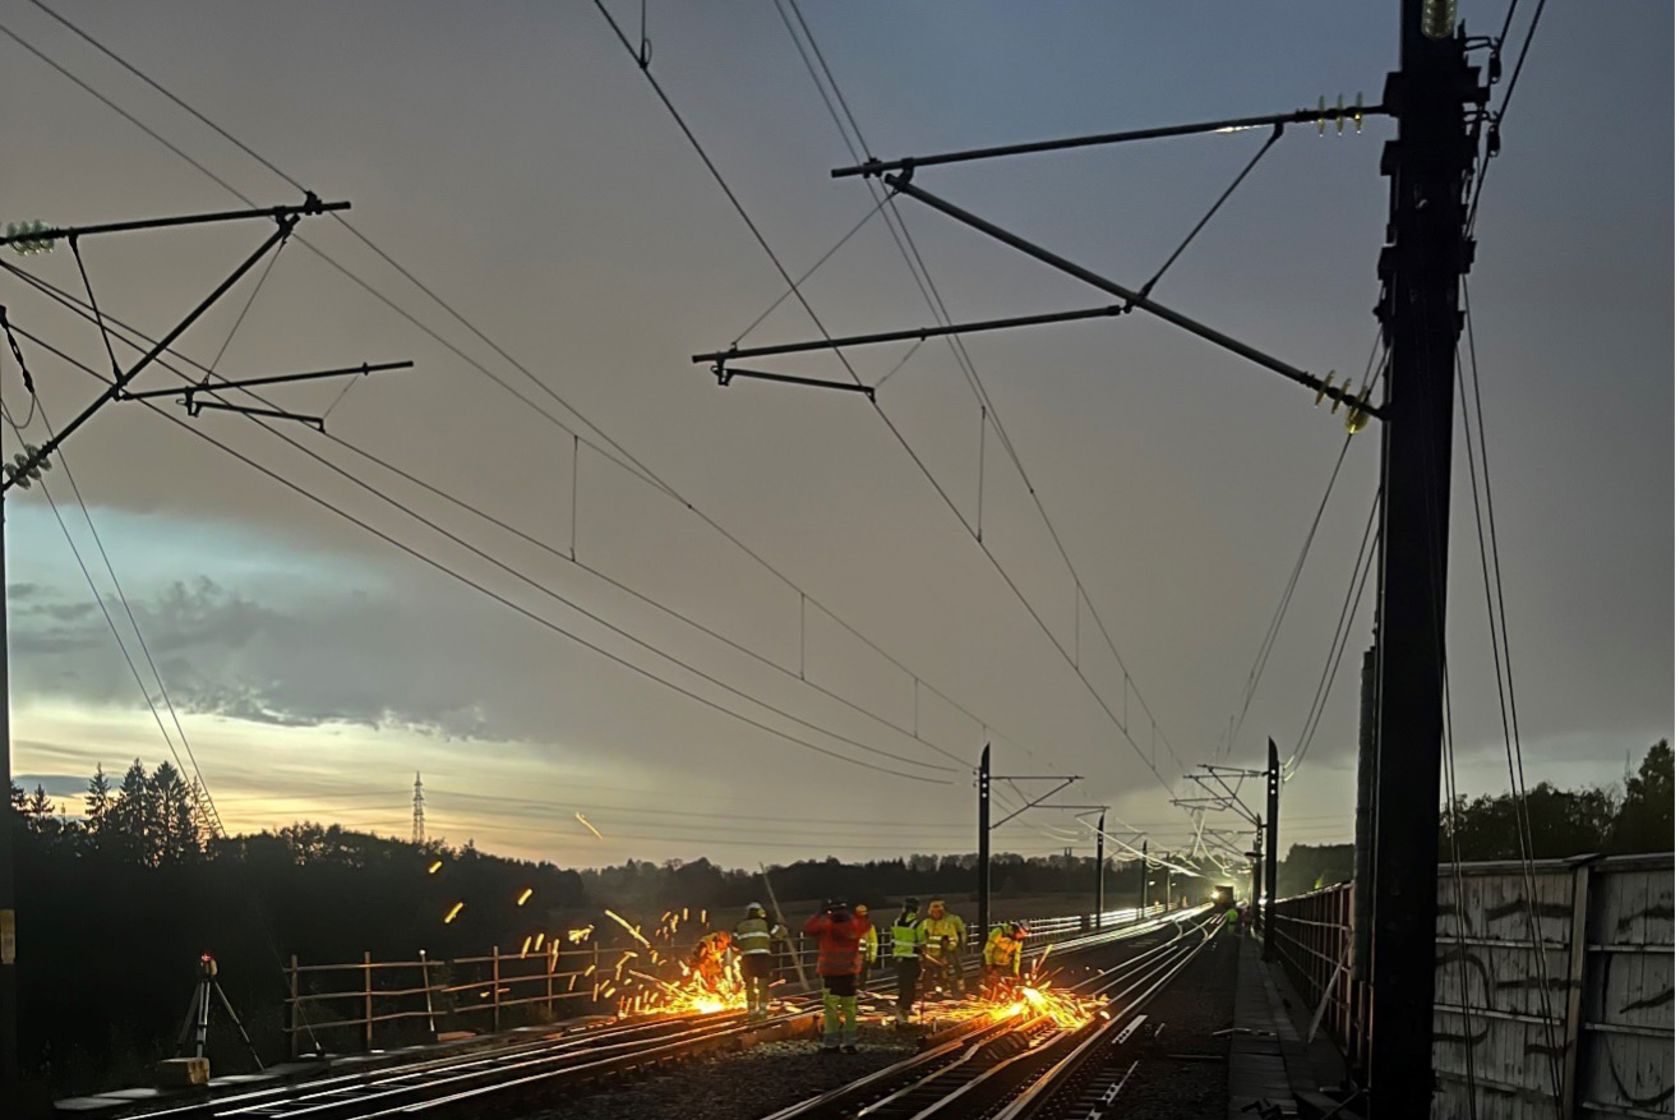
(58, 785)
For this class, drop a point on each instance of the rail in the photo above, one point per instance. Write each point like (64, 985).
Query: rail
(491, 991)
(1554, 984)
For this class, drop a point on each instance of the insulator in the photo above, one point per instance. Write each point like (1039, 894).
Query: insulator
(1321, 115)
(1439, 18)
(1339, 117)
(1358, 112)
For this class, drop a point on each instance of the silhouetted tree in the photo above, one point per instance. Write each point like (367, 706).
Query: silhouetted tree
(1646, 820)
(97, 803)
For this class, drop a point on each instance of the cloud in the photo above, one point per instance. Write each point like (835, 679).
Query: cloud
(58, 785)
(350, 658)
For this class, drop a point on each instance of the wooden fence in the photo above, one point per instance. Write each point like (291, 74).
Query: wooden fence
(1554, 986)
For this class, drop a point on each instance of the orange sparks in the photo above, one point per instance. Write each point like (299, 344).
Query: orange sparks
(633, 931)
(584, 821)
(454, 912)
(524, 896)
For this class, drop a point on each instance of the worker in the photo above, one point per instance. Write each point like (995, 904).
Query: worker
(908, 939)
(709, 962)
(945, 937)
(753, 940)
(838, 931)
(1001, 956)
(1232, 917)
(869, 945)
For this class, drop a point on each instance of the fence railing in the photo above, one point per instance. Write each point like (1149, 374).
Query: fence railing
(1554, 985)
(484, 993)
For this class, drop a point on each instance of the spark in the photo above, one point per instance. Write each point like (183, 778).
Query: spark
(454, 911)
(524, 896)
(525, 949)
(537, 945)
(634, 931)
(437, 865)
(578, 936)
(584, 821)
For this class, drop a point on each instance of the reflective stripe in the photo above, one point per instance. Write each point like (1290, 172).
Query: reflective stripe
(908, 937)
(752, 937)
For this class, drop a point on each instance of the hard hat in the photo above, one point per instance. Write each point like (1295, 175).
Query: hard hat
(755, 910)
(836, 905)
(860, 908)
(912, 903)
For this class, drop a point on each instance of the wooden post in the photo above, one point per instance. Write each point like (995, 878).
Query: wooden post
(293, 984)
(495, 987)
(367, 999)
(1577, 985)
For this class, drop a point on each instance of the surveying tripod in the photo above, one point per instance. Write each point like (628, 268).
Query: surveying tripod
(197, 1021)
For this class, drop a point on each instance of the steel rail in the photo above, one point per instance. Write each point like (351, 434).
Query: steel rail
(1085, 1061)
(984, 1062)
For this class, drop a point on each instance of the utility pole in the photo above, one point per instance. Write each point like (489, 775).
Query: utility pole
(1427, 253)
(1102, 823)
(11, 1085)
(419, 829)
(984, 871)
(1274, 780)
(1143, 882)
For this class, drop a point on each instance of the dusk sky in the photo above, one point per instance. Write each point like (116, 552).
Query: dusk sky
(515, 160)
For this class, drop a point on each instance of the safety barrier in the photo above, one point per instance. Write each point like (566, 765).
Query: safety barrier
(1554, 985)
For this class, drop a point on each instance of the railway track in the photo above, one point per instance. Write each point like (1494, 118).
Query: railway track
(966, 1063)
(458, 1082)
(990, 1068)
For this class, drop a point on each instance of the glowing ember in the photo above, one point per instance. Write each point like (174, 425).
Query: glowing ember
(633, 931)
(524, 896)
(437, 865)
(454, 912)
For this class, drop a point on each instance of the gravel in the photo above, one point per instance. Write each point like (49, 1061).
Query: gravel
(739, 1085)
(1186, 1074)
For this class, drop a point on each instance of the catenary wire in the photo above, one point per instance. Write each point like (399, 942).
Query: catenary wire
(64, 298)
(649, 478)
(460, 577)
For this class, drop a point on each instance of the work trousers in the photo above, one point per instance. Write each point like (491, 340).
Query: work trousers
(840, 1011)
(755, 974)
(944, 976)
(909, 972)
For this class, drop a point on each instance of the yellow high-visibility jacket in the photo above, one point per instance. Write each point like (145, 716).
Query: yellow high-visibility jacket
(949, 926)
(1002, 951)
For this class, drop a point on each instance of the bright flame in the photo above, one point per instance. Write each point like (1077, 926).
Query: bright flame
(634, 931)
(524, 896)
(454, 911)
(584, 821)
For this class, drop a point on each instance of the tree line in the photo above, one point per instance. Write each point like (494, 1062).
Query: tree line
(118, 904)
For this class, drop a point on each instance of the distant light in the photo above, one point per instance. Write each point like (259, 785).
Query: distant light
(1439, 18)
(524, 896)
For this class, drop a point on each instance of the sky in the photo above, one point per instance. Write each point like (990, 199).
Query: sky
(794, 643)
